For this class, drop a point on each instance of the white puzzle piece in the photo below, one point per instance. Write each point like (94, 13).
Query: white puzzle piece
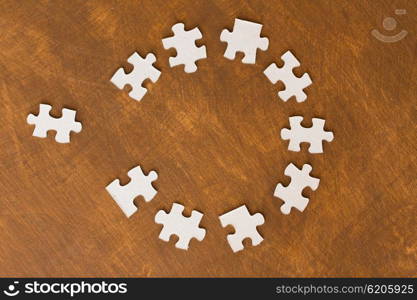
(139, 185)
(294, 85)
(246, 38)
(142, 69)
(187, 52)
(245, 227)
(63, 126)
(292, 194)
(183, 227)
(314, 135)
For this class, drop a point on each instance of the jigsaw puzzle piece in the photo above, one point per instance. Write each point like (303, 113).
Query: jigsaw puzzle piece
(318, 135)
(294, 86)
(295, 135)
(41, 128)
(63, 126)
(184, 43)
(292, 194)
(244, 38)
(139, 185)
(176, 224)
(142, 69)
(66, 125)
(245, 227)
(314, 135)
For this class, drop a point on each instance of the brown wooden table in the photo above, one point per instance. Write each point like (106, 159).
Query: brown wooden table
(212, 136)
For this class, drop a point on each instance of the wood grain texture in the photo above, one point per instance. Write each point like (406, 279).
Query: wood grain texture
(213, 137)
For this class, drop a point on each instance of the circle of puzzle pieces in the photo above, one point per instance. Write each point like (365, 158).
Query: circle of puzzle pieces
(292, 194)
(245, 227)
(314, 135)
(63, 126)
(244, 38)
(187, 52)
(139, 185)
(183, 227)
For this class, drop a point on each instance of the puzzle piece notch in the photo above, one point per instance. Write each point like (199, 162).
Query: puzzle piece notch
(142, 69)
(139, 185)
(185, 228)
(63, 126)
(244, 38)
(184, 43)
(315, 135)
(245, 227)
(292, 194)
(294, 85)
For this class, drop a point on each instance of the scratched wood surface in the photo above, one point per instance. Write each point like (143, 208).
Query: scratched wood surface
(212, 136)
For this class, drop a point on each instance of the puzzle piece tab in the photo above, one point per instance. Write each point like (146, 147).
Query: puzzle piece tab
(294, 85)
(244, 38)
(139, 185)
(183, 227)
(314, 135)
(292, 194)
(245, 227)
(142, 69)
(187, 52)
(63, 126)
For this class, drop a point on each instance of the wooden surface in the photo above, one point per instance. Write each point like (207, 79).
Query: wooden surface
(212, 136)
